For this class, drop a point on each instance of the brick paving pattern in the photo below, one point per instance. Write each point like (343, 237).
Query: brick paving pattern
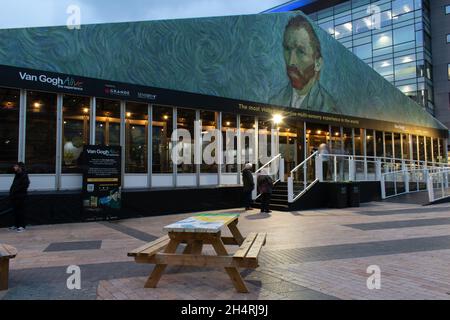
(314, 254)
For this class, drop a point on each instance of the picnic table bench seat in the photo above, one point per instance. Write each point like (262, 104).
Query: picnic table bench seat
(6, 253)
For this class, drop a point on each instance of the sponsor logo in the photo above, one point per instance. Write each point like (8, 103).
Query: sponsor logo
(113, 91)
(68, 83)
(147, 96)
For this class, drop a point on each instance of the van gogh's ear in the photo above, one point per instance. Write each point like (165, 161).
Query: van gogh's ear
(318, 64)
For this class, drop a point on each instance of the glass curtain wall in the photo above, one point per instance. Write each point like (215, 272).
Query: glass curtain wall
(136, 133)
(107, 125)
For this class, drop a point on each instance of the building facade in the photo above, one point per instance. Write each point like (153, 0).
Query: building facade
(405, 41)
(62, 89)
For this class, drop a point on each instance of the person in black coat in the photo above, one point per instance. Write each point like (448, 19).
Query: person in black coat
(18, 194)
(249, 185)
(265, 187)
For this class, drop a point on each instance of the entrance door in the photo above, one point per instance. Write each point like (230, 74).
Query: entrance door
(291, 144)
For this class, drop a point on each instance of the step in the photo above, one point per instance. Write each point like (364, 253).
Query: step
(277, 207)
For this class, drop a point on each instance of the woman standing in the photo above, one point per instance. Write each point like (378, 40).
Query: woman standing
(18, 194)
(249, 185)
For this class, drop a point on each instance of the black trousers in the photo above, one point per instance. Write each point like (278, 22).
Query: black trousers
(19, 212)
(248, 199)
(265, 202)
(326, 170)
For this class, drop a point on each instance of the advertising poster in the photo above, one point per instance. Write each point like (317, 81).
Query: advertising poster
(102, 185)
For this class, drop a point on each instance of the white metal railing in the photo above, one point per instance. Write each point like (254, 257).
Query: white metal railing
(302, 178)
(438, 185)
(274, 168)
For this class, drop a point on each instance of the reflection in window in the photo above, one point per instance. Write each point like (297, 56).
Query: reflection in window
(336, 140)
(406, 151)
(9, 130)
(421, 148)
(363, 51)
(348, 141)
(379, 143)
(382, 40)
(397, 146)
(384, 68)
(162, 144)
(136, 132)
(75, 131)
(229, 142)
(435, 150)
(359, 145)
(402, 6)
(343, 30)
(405, 71)
(107, 127)
(370, 143)
(209, 122)
(186, 121)
(388, 144)
(429, 150)
(247, 139)
(40, 151)
(404, 34)
(415, 151)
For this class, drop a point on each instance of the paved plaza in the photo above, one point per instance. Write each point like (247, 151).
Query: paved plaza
(315, 254)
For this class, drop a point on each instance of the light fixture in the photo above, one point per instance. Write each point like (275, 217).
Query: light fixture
(336, 134)
(319, 131)
(165, 117)
(385, 64)
(407, 59)
(85, 110)
(37, 105)
(277, 118)
(308, 132)
(228, 123)
(128, 114)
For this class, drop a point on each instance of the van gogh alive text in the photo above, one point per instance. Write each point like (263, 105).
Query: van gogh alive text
(67, 83)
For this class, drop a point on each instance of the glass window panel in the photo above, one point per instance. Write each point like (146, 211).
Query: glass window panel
(343, 30)
(388, 144)
(247, 139)
(397, 146)
(229, 142)
(9, 129)
(370, 143)
(384, 68)
(386, 18)
(186, 120)
(447, 9)
(107, 126)
(414, 144)
(429, 149)
(328, 26)
(448, 38)
(40, 151)
(382, 40)
(402, 6)
(405, 59)
(264, 141)
(436, 150)
(379, 143)
(404, 34)
(364, 51)
(162, 144)
(421, 148)
(209, 125)
(406, 151)
(359, 146)
(136, 133)
(75, 132)
(336, 140)
(405, 71)
(348, 141)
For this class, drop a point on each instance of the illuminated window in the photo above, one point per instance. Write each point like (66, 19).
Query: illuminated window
(9, 132)
(136, 132)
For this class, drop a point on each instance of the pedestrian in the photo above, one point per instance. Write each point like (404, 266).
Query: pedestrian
(249, 185)
(325, 155)
(265, 187)
(18, 195)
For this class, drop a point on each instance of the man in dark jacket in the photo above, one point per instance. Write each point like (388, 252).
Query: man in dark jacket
(249, 185)
(18, 195)
(265, 187)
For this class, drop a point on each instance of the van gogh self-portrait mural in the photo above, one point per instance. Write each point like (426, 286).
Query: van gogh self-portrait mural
(303, 57)
(281, 59)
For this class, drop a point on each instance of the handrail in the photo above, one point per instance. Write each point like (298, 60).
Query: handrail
(305, 161)
(443, 179)
(273, 159)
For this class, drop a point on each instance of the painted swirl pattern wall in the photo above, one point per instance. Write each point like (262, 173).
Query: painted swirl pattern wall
(238, 57)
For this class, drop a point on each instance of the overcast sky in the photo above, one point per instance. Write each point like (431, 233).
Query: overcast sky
(32, 13)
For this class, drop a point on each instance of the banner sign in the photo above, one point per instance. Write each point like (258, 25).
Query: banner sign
(102, 181)
(63, 83)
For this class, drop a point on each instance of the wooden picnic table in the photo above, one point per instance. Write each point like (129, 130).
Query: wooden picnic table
(6, 253)
(196, 232)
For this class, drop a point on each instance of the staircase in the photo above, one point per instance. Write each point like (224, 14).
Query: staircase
(279, 200)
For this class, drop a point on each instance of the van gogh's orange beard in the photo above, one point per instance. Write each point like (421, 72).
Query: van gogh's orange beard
(299, 80)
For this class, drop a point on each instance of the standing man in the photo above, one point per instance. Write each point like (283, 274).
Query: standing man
(18, 195)
(249, 185)
(325, 154)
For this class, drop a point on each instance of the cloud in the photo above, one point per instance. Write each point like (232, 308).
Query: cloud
(31, 13)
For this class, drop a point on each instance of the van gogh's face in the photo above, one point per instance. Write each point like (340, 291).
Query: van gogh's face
(300, 57)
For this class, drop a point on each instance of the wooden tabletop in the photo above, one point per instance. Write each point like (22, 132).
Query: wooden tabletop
(206, 223)
(7, 251)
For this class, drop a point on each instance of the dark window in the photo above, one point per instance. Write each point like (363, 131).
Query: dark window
(107, 129)
(75, 131)
(136, 132)
(9, 129)
(162, 135)
(186, 121)
(40, 151)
